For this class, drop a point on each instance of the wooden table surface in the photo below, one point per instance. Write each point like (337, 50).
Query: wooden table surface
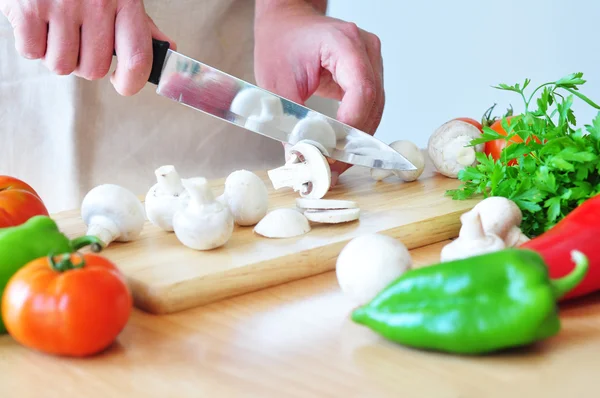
(295, 340)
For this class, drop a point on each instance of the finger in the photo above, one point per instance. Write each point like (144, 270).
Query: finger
(30, 36)
(373, 49)
(97, 43)
(133, 46)
(352, 70)
(158, 34)
(62, 48)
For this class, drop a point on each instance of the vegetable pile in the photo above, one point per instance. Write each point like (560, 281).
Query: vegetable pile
(538, 158)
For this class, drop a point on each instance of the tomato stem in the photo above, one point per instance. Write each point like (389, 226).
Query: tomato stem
(94, 242)
(65, 263)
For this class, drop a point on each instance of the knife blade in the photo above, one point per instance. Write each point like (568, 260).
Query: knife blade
(207, 89)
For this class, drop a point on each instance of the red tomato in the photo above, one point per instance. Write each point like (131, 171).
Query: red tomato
(495, 147)
(18, 202)
(471, 121)
(72, 305)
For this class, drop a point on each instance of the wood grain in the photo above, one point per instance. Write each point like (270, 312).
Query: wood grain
(295, 340)
(167, 277)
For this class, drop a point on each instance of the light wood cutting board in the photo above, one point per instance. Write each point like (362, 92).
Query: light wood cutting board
(167, 277)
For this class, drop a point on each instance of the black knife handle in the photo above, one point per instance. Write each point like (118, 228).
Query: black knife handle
(159, 53)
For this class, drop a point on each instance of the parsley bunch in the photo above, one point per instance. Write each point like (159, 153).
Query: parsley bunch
(557, 165)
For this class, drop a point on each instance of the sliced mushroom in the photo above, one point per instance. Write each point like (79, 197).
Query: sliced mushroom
(282, 223)
(332, 216)
(316, 131)
(307, 172)
(324, 204)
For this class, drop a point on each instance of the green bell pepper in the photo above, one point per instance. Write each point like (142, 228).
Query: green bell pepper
(472, 306)
(37, 237)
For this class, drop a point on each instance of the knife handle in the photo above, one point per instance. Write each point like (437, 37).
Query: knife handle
(159, 53)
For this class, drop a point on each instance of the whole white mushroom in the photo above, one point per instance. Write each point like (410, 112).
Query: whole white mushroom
(246, 196)
(369, 263)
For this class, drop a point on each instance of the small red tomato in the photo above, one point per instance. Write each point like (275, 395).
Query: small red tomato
(471, 121)
(18, 202)
(71, 305)
(495, 147)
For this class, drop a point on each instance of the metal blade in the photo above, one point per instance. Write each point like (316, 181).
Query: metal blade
(228, 98)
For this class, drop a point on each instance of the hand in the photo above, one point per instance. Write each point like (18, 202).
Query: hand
(78, 36)
(300, 52)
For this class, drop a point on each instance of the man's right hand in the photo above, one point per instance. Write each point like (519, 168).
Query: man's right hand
(78, 36)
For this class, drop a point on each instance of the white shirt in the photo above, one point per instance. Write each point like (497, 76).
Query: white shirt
(64, 135)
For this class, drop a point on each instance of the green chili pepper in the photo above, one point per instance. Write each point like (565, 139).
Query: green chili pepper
(475, 305)
(37, 237)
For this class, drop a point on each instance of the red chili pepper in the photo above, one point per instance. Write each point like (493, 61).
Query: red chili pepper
(578, 230)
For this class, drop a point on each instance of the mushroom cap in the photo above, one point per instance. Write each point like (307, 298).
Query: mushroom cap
(316, 130)
(362, 274)
(161, 207)
(445, 144)
(282, 223)
(414, 155)
(117, 204)
(246, 196)
(204, 230)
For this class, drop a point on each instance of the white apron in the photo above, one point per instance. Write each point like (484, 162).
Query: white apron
(64, 135)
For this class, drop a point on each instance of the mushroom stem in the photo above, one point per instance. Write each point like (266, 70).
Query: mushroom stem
(200, 192)
(472, 228)
(103, 228)
(465, 156)
(168, 180)
(293, 174)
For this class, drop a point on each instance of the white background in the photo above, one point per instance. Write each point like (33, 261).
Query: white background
(442, 57)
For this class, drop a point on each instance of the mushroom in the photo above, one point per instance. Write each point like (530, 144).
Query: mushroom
(246, 196)
(471, 241)
(324, 204)
(412, 153)
(306, 171)
(362, 274)
(248, 102)
(316, 131)
(449, 147)
(282, 223)
(336, 216)
(205, 223)
(165, 197)
(502, 217)
(112, 213)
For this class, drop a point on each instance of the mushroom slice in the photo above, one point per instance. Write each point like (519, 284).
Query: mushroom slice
(282, 223)
(112, 213)
(324, 204)
(307, 172)
(332, 216)
(472, 240)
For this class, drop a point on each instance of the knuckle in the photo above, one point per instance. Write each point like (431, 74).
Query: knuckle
(369, 91)
(101, 4)
(140, 63)
(61, 66)
(374, 42)
(350, 30)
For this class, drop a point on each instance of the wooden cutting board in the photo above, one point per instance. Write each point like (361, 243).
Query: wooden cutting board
(167, 277)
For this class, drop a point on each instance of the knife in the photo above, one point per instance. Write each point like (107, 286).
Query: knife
(202, 87)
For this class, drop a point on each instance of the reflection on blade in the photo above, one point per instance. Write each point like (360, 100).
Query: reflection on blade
(226, 97)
